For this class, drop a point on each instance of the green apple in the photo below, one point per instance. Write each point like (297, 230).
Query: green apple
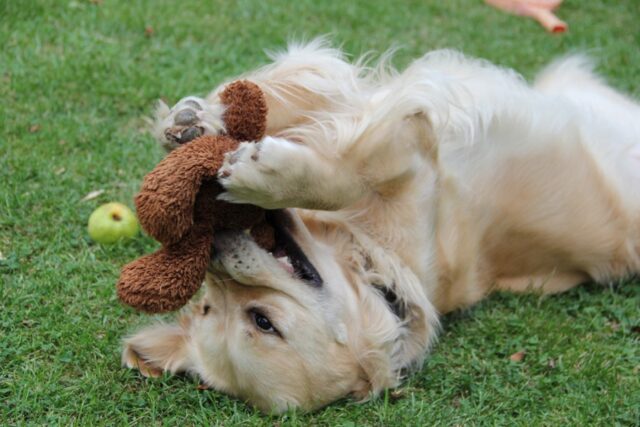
(112, 222)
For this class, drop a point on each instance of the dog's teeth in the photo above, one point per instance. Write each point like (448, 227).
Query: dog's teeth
(286, 263)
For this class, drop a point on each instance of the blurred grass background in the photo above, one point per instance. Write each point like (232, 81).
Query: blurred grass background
(77, 78)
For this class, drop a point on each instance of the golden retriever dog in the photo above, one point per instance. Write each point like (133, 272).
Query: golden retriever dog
(397, 197)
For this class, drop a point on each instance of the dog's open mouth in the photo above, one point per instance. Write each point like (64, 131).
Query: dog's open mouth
(287, 252)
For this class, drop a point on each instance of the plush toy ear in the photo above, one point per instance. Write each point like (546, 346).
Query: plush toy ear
(246, 115)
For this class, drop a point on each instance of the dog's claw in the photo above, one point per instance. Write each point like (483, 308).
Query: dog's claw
(180, 135)
(235, 156)
(191, 133)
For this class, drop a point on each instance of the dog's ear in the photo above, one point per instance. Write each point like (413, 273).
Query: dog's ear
(158, 348)
(372, 339)
(423, 127)
(389, 345)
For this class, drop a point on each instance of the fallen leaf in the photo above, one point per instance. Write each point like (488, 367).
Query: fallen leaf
(396, 395)
(456, 402)
(517, 357)
(148, 31)
(92, 195)
(202, 387)
(34, 128)
(60, 171)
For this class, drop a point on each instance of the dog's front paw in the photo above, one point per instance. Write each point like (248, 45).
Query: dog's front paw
(190, 118)
(269, 173)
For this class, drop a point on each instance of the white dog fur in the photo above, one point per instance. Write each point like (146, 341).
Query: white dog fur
(440, 183)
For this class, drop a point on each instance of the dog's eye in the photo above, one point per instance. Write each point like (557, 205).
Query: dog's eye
(262, 322)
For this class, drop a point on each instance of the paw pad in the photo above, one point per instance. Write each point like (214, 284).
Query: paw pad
(185, 117)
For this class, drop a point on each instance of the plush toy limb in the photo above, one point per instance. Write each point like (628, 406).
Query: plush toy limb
(167, 279)
(245, 117)
(540, 10)
(165, 204)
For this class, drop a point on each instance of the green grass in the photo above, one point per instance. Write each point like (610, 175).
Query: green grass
(77, 78)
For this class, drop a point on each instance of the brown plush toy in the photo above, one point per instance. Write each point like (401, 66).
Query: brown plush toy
(177, 206)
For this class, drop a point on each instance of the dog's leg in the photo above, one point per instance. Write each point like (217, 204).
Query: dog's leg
(304, 79)
(192, 117)
(316, 172)
(277, 173)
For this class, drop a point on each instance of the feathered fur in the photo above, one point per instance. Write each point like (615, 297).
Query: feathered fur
(441, 182)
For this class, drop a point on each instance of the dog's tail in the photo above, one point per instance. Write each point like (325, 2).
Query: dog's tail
(573, 78)
(567, 72)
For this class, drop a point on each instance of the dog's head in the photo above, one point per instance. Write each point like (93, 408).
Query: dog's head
(303, 326)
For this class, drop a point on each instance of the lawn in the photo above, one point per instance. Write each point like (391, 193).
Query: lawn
(77, 79)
